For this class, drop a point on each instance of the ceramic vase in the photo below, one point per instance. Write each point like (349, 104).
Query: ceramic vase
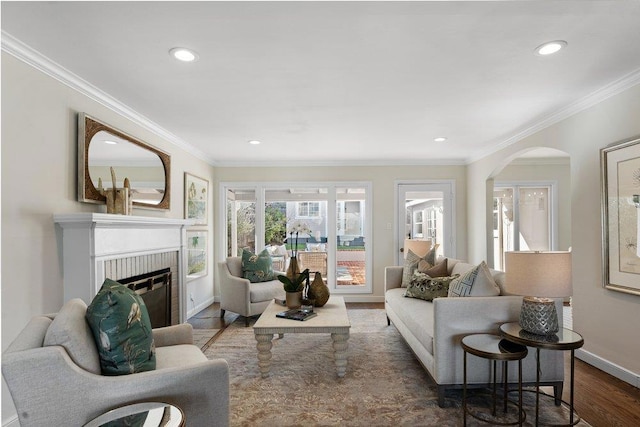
(294, 299)
(319, 290)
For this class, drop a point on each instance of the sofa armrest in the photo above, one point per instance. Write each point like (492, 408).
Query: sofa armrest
(392, 277)
(173, 335)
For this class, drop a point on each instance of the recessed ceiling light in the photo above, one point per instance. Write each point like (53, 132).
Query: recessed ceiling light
(254, 142)
(106, 141)
(550, 47)
(183, 54)
(440, 139)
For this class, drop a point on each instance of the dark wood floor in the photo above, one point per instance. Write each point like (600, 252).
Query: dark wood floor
(600, 399)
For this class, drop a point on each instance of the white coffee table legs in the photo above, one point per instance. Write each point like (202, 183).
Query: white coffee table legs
(340, 346)
(265, 344)
(264, 353)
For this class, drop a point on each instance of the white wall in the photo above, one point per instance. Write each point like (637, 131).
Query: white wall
(608, 320)
(39, 134)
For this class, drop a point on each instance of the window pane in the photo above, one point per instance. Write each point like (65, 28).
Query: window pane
(241, 221)
(350, 237)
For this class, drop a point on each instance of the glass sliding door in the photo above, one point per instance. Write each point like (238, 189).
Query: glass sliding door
(351, 242)
(335, 218)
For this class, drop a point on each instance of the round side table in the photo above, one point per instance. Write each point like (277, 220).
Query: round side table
(565, 339)
(492, 347)
(149, 414)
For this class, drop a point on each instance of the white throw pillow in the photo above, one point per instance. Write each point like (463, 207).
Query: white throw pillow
(476, 282)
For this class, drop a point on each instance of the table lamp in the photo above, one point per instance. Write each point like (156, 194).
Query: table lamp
(540, 276)
(418, 247)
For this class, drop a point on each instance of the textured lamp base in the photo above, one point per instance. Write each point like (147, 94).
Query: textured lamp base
(539, 316)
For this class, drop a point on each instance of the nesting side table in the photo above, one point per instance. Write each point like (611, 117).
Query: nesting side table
(492, 347)
(565, 339)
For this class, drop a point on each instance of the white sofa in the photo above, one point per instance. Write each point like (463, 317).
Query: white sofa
(434, 330)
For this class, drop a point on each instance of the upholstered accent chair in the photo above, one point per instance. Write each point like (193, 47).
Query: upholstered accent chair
(53, 372)
(239, 295)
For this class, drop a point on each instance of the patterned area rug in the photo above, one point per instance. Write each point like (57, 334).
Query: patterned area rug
(384, 384)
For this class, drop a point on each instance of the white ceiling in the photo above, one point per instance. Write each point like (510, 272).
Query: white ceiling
(341, 82)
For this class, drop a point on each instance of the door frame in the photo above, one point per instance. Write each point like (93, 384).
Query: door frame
(448, 187)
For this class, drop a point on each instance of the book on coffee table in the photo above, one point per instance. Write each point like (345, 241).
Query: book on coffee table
(296, 314)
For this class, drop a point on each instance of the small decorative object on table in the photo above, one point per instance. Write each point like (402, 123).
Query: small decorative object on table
(319, 290)
(296, 314)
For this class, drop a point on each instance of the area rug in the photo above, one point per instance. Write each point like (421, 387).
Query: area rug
(203, 338)
(384, 384)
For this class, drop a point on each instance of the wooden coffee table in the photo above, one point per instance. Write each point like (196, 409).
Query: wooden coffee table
(332, 319)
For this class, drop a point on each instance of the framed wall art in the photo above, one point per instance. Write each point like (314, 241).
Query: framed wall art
(196, 254)
(196, 198)
(620, 176)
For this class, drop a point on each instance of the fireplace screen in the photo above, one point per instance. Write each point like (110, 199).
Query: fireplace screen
(155, 290)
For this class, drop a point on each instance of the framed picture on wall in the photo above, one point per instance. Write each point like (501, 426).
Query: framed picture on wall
(620, 174)
(196, 198)
(196, 254)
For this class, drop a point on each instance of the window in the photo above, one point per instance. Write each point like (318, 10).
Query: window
(308, 209)
(336, 217)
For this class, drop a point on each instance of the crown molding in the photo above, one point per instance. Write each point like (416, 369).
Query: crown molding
(32, 57)
(341, 163)
(611, 89)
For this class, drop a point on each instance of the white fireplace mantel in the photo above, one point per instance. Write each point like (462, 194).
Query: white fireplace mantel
(90, 239)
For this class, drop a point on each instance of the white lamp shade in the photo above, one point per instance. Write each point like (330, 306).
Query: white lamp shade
(418, 247)
(538, 274)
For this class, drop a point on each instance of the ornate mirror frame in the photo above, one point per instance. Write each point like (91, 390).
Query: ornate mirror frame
(88, 127)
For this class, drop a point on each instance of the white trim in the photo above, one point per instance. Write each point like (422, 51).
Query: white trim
(30, 56)
(609, 367)
(447, 185)
(613, 88)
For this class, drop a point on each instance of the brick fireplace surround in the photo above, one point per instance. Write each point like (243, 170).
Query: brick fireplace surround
(96, 246)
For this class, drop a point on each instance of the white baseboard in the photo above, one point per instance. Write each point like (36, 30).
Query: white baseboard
(609, 367)
(363, 298)
(198, 308)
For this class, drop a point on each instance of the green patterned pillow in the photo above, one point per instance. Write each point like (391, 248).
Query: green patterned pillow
(257, 268)
(122, 330)
(427, 288)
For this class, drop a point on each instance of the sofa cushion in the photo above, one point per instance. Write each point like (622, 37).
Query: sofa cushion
(175, 356)
(415, 314)
(411, 264)
(122, 330)
(257, 267)
(265, 291)
(476, 282)
(427, 288)
(70, 330)
(438, 270)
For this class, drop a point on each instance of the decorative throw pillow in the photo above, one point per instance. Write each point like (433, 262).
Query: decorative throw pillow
(476, 282)
(438, 270)
(411, 264)
(122, 330)
(427, 288)
(257, 268)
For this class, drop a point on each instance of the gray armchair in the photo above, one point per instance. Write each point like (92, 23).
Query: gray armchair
(239, 295)
(52, 370)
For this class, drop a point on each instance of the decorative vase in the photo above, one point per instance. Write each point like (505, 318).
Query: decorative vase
(319, 290)
(293, 270)
(294, 299)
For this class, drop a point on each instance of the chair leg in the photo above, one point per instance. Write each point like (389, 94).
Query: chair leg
(388, 321)
(222, 313)
(246, 321)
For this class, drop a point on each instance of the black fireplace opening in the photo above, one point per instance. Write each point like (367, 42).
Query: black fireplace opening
(155, 290)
